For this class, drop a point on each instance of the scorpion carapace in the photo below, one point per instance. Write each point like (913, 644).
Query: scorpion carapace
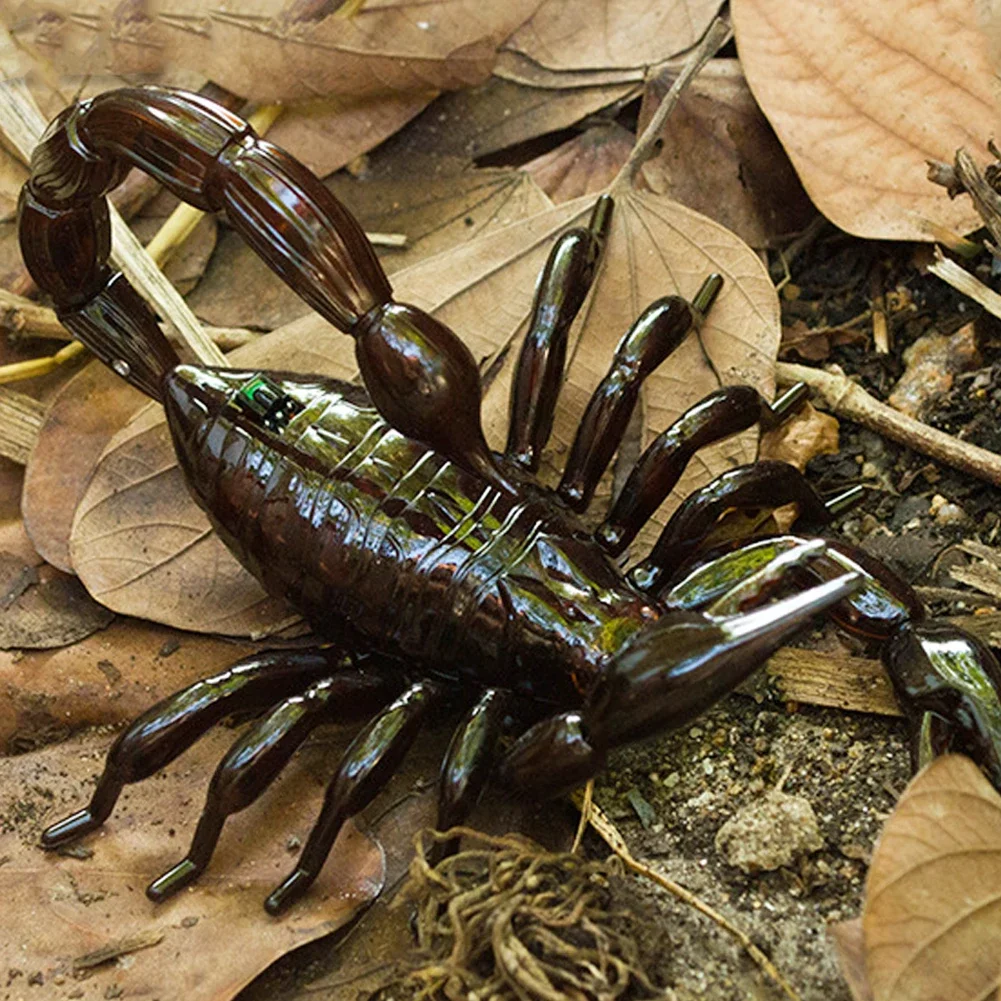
(382, 515)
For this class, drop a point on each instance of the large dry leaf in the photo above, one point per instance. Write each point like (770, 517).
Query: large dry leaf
(88, 410)
(721, 157)
(281, 49)
(861, 94)
(849, 944)
(107, 679)
(204, 944)
(611, 34)
(435, 205)
(583, 165)
(481, 120)
(932, 915)
(330, 133)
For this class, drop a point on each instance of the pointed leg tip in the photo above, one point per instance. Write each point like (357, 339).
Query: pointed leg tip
(288, 892)
(173, 880)
(68, 829)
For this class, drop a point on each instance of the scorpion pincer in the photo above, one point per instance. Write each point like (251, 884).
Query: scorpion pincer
(445, 570)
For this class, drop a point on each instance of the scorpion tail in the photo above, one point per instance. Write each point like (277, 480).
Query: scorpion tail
(118, 326)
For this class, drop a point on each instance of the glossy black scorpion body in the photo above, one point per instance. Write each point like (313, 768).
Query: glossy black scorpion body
(382, 515)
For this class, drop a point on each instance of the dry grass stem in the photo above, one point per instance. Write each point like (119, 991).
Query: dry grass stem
(963, 281)
(716, 36)
(846, 399)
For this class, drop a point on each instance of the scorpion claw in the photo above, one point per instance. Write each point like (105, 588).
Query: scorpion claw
(673, 671)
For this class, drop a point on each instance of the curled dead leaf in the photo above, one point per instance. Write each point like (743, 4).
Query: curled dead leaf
(932, 914)
(72, 905)
(803, 437)
(862, 94)
(80, 421)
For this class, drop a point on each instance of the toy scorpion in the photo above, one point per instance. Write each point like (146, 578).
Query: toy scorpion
(381, 514)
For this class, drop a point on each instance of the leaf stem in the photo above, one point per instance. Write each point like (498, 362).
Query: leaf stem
(716, 36)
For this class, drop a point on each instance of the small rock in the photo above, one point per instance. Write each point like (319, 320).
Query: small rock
(950, 514)
(769, 833)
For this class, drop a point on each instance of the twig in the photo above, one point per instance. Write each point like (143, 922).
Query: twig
(965, 175)
(20, 419)
(962, 281)
(714, 39)
(23, 318)
(846, 399)
(609, 833)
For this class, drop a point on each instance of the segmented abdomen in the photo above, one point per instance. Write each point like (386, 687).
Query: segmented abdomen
(378, 540)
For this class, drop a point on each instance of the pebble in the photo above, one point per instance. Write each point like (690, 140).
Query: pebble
(770, 832)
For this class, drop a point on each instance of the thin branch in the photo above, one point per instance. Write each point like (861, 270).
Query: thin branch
(846, 399)
(716, 36)
(966, 176)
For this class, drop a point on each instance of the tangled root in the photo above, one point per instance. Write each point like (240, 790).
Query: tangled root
(509, 921)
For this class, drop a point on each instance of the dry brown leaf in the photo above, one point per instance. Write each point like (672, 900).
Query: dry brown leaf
(611, 34)
(473, 123)
(721, 157)
(107, 679)
(519, 68)
(203, 945)
(803, 437)
(583, 165)
(88, 410)
(861, 94)
(278, 50)
(932, 914)
(849, 944)
(42, 608)
(436, 206)
(330, 133)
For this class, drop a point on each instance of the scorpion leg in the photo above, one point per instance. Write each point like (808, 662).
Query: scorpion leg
(940, 669)
(256, 758)
(467, 763)
(658, 331)
(760, 484)
(563, 286)
(723, 413)
(176, 722)
(668, 674)
(367, 765)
